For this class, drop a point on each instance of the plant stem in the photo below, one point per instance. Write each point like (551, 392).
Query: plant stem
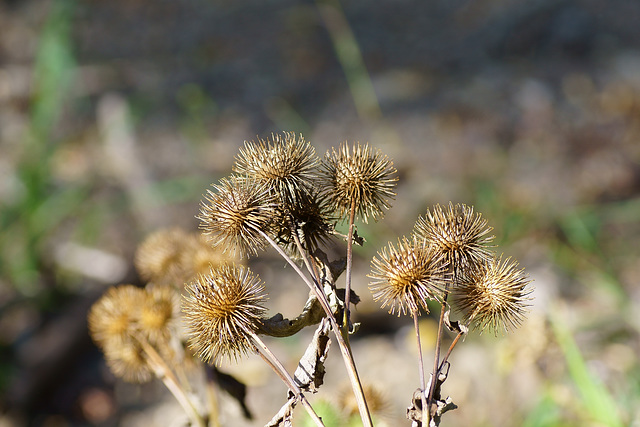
(271, 359)
(347, 286)
(436, 358)
(311, 265)
(347, 356)
(212, 398)
(425, 410)
(164, 373)
(453, 344)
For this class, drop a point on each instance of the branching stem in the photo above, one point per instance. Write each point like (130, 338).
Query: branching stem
(271, 359)
(347, 356)
(453, 344)
(436, 358)
(164, 373)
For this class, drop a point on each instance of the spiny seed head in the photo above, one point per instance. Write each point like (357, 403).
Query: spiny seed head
(128, 361)
(405, 276)
(308, 218)
(200, 257)
(458, 233)
(114, 325)
(233, 215)
(159, 257)
(222, 310)
(285, 163)
(112, 319)
(361, 175)
(493, 297)
(158, 313)
(173, 256)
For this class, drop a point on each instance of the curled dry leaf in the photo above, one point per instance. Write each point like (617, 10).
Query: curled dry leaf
(310, 372)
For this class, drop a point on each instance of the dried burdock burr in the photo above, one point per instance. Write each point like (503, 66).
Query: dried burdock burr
(199, 257)
(494, 297)
(307, 220)
(173, 256)
(233, 215)
(159, 257)
(223, 309)
(285, 164)
(159, 313)
(458, 233)
(113, 325)
(128, 360)
(377, 399)
(405, 276)
(360, 178)
(112, 319)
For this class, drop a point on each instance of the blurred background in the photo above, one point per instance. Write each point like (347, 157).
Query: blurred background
(115, 116)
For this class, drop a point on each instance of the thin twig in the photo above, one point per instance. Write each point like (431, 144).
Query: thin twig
(164, 373)
(271, 359)
(212, 397)
(436, 361)
(453, 344)
(347, 294)
(311, 265)
(347, 356)
(423, 398)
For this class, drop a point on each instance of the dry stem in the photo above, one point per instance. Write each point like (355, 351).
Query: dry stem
(347, 356)
(279, 369)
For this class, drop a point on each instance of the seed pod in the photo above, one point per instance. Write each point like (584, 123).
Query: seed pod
(222, 310)
(361, 175)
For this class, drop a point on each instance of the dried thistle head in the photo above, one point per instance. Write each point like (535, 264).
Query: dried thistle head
(494, 297)
(405, 276)
(458, 233)
(113, 318)
(233, 215)
(128, 361)
(309, 218)
(158, 314)
(222, 310)
(114, 327)
(285, 164)
(360, 175)
(159, 258)
(200, 257)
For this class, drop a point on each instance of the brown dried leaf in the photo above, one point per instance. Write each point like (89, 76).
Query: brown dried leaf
(310, 372)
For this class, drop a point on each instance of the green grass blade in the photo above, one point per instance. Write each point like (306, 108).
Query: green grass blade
(597, 400)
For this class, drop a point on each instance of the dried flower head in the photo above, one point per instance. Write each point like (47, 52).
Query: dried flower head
(308, 218)
(200, 257)
(159, 257)
(458, 233)
(285, 163)
(113, 318)
(128, 361)
(158, 313)
(222, 310)
(493, 297)
(114, 327)
(406, 276)
(360, 175)
(234, 214)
